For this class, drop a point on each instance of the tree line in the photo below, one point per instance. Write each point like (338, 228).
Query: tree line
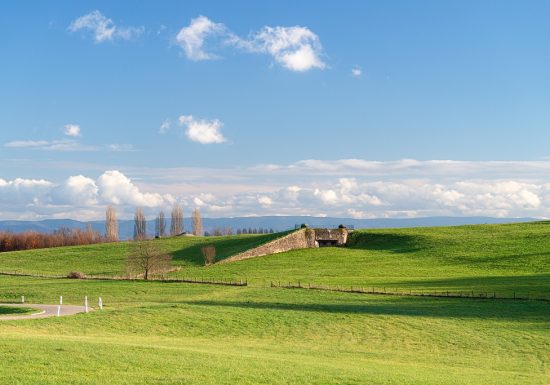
(61, 237)
(72, 237)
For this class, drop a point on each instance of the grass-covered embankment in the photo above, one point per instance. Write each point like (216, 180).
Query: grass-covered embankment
(159, 333)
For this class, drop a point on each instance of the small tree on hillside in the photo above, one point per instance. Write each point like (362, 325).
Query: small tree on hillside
(209, 255)
(176, 223)
(111, 225)
(140, 225)
(197, 222)
(145, 259)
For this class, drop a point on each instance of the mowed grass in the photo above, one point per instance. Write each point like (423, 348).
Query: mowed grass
(492, 259)
(167, 333)
(8, 310)
(109, 258)
(483, 258)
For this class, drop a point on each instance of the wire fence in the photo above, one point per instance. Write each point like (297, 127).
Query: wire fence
(156, 278)
(473, 294)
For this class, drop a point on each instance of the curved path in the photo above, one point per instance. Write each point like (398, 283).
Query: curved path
(45, 311)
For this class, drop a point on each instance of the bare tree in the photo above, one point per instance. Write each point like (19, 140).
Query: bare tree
(160, 225)
(176, 223)
(111, 225)
(209, 254)
(140, 225)
(197, 222)
(145, 258)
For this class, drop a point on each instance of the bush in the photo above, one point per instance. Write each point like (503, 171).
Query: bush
(209, 254)
(76, 275)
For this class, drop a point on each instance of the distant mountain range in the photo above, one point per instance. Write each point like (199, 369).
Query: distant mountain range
(277, 223)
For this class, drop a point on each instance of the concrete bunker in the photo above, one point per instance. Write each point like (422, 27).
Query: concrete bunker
(323, 237)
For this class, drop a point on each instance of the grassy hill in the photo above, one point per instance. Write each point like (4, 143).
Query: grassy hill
(109, 258)
(493, 258)
(168, 333)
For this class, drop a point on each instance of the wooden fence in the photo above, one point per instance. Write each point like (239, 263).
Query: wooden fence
(414, 292)
(207, 281)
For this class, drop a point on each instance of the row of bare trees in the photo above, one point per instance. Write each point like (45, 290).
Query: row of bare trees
(62, 237)
(176, 223)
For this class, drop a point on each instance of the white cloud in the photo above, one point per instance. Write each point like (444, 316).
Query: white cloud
(120, 147)
(295, 48)
(357, 188)
(265, 201)
(54, 145)
(202, 130)
(72, 130)
(116, 188)
(103, 28)
(356, 72)
(165, 126)
(192, 38)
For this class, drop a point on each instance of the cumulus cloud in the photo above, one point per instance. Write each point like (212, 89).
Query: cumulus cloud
(116, 188)
(356, 72)
(295, 48)
(72, 130)
(193, 37)
(103, 28)
(356, 188)
(202, 130)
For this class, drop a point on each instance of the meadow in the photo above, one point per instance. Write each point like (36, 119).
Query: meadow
(174, 333)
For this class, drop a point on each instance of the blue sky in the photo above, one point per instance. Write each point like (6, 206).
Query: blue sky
(359, 108)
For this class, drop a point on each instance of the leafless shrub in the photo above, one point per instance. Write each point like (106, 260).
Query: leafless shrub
(76, 275)
(209, 255)
(35, 240)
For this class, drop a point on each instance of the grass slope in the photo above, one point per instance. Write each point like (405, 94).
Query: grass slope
(501, 258)
(109, 258)
(171, 333)
(159, 333)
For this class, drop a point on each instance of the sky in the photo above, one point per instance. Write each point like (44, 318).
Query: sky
(358, 109)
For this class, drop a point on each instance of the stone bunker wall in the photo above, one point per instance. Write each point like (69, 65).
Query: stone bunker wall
(294, 240)
(338, 235)
(300, 239)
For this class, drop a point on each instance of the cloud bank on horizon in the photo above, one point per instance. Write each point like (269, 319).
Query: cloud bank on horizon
(345, 188)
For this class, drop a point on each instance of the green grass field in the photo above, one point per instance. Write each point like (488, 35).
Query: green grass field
(173, 333)
(7, 310)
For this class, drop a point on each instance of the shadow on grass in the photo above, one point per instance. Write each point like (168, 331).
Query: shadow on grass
(226, 246)
(8, 310)
(396, 243)
(534, 284)
(415, 307)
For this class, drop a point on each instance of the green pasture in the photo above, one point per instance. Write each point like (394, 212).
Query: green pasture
(174, 333)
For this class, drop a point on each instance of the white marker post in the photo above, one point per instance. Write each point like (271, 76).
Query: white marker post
(100, 303)
(22, 299)
(86, 304)
(59, 306)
